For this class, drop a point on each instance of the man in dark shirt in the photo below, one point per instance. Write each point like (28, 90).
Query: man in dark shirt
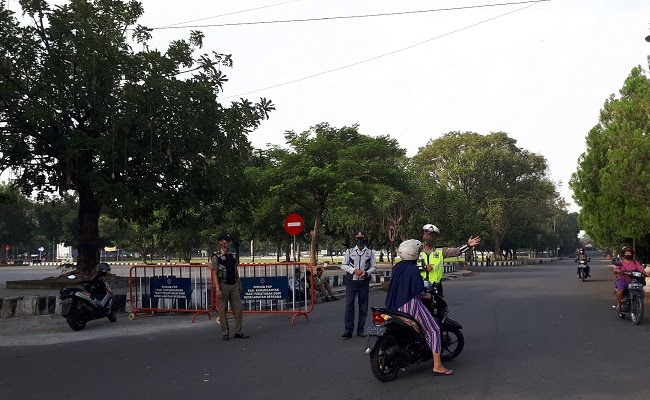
(228, 287)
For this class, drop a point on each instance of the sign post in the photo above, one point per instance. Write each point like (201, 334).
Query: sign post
(293, 225)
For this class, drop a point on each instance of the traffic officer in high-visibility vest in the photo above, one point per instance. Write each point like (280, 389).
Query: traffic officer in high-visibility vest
(431, 258)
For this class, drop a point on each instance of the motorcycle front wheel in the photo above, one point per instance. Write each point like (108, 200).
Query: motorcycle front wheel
(75, 321)
(383, 367)
(452, 342)
(636, 313)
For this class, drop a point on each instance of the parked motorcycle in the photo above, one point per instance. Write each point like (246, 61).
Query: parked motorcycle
(632, 301)
(582, 269)
(396, 340)
(94, 301)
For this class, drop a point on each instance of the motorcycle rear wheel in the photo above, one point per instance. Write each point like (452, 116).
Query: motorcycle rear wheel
(75, 321)
(384, 367)
(452, 342)
(636, 314)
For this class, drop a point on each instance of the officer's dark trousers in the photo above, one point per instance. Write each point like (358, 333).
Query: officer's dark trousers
(361, 290)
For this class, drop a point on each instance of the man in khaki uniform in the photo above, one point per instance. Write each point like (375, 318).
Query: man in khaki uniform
(228, 287)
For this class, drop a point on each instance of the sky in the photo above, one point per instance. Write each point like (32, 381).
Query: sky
(540, 72)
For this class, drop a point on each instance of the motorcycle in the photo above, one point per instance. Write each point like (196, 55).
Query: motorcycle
(632, 301)
(399, 341)
(94, 301)
(582, 269)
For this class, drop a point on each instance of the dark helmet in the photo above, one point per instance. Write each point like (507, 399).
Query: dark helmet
(104, 268)
(627, 248)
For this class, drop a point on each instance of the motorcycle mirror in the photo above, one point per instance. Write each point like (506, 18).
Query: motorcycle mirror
(72, 276)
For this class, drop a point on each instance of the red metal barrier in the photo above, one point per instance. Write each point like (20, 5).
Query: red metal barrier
(171, 288)
(266, 290)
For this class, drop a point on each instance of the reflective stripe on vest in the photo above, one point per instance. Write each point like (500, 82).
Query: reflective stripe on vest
(435, 259)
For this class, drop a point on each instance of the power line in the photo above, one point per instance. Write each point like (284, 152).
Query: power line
(230, 13)
(348, 16)
(382, 55)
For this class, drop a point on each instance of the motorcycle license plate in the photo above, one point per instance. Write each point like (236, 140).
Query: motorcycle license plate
(376, 330)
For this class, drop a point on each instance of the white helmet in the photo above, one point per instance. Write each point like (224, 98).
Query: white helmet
(409, 249)
(430, 228)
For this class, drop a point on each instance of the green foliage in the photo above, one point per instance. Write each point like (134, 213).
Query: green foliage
(16, 222)
(134, 131)
(330, 176)
(500, 187)
(613, 175)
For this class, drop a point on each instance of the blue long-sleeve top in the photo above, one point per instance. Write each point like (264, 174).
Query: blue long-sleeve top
(405, 283)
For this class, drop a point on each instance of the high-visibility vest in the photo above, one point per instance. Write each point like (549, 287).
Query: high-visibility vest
(435, 259)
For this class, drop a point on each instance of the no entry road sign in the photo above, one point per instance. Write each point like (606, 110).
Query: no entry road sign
(294, 224)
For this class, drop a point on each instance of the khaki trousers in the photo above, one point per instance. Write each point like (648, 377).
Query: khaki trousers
(230, 293)
(324, 289)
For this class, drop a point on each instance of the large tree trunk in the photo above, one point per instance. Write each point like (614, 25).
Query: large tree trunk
(497, 248)
(3, 254)
(288, 251)
(313, 248)
(88, 221)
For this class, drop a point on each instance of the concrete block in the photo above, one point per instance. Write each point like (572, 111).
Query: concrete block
(27, 305)
(8, 307)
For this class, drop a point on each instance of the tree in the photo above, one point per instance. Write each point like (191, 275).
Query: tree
(16, 221)
(57, 218)
(504, 185)
(326, 168)
(610, 184)
(134, 131)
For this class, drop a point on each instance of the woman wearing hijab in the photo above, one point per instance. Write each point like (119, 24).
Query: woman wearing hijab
(405, 293)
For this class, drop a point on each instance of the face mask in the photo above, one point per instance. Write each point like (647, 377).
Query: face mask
(429, 242)
(627, 256)
(361, 242)
(228, 245)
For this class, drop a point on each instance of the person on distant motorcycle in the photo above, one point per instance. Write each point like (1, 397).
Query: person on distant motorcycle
(583, 257)
(626, 264)
(405, 293)
(431, 259)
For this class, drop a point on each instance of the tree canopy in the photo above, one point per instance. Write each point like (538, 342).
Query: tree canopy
(611, 182)
(504, 188)
(131, 131)
(331, 170)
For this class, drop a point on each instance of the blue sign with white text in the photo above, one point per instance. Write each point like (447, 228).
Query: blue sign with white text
(162, 287)
(265, 288)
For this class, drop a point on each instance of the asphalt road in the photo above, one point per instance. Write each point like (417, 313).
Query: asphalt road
(533, 332)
